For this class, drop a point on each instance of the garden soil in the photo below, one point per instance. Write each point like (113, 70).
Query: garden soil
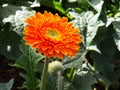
(8, 72)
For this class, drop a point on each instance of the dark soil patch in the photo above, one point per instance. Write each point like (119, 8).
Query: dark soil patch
(8, 72)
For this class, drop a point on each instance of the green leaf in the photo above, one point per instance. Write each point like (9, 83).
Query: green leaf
(67, 85)
(16, 16)
(96, 4)
(83, 80)
(116, 24)
(7, 10)
(104, 61)
(83, 4)
(67, 4)
(28, 61)
(109, 21)
(9, 44)
(92, 28)
(51, 83)
(7, 86)
(19, 19)
(55, 5)
(27, 3)
(103, 81)
(35, 3)
(89, 25)
(93, 48)
(76, 61)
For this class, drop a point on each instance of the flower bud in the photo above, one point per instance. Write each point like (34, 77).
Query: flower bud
(54, 67)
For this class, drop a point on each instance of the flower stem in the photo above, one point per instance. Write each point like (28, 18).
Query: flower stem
(59, 80)
(44, 75)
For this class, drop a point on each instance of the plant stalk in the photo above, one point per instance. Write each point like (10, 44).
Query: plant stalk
(59, 80)
(44, 75)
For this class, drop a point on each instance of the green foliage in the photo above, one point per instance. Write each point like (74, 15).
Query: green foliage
(28, 61)
(6, 86)
(15, 15)
(86, 78)
(75, 62)
(96, 65)
(116, 24)
(51, 83)
(56, 5)
(9, 44)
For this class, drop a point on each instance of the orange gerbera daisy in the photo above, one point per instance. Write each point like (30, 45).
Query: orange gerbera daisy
(51, 35)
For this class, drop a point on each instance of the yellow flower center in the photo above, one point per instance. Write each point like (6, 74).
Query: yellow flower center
(53, 34)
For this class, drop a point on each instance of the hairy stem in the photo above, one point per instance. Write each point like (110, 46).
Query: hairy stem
(44, 75)
(59, 80)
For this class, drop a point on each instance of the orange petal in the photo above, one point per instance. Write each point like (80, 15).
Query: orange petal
(64, 51)
(60, 55)
(57, 50)
(54, 54)
(50, 51)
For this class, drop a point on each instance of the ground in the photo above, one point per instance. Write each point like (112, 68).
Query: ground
(8, 72)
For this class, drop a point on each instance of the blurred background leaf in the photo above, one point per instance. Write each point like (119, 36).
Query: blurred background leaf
(9, 44)
(16, 17)
(83, 80)
(7, 86)
(116, 24)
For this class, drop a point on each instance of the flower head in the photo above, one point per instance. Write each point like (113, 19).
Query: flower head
(52, 35)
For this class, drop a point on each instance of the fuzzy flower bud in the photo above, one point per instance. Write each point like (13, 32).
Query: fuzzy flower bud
(54, 67)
